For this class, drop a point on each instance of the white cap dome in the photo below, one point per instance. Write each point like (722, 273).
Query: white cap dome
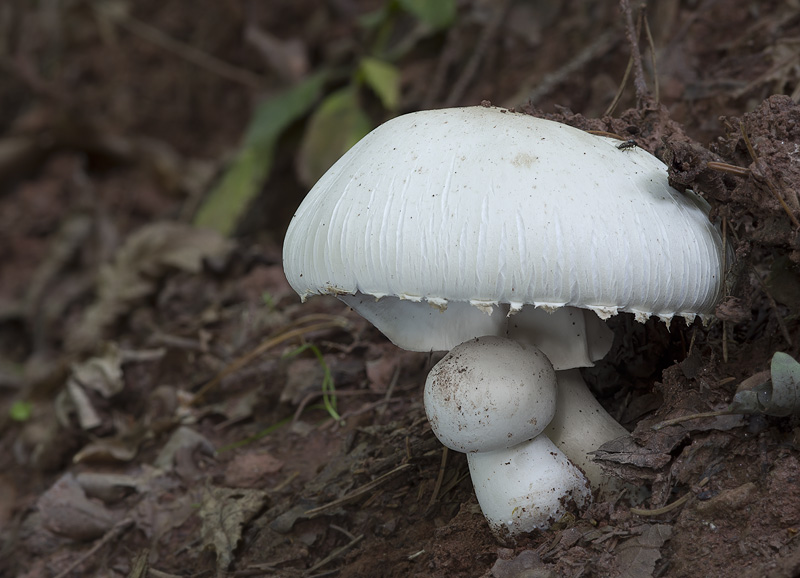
(480, 206)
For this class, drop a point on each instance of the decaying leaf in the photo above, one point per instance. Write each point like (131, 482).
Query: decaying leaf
(224, 512)
(626, 451)
(65, 510)
(637, 556)
(137, 266)
(102, 373)
(526, 563)
(106, 486)
(183, 442)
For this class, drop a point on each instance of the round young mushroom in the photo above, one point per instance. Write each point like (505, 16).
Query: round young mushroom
(446, 225)
(492, 397)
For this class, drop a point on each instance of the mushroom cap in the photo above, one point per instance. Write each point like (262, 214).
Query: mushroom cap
(490, 393)
(482, 207)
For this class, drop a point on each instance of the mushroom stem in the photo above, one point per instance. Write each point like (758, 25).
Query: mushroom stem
(581, 425)
(526, 487)
(492, 397)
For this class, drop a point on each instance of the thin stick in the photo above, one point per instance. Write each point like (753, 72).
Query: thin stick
(548, 82)
(438, 485)
(621, 88)
(652, 46)
(668, 508)
(331, 322)
(632, 35)
(118, 529)
(358, 492)
(770, 184)
(475, 59)
(729, 169)
(691, 416)
(183, 50)
(333, 555)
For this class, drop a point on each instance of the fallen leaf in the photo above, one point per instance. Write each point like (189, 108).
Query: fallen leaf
(246, 470)
(65, 510)
(180, 448)
(108, 487)
(625, 450)
(135, 271)
(224, 513)
(101, 373)
(525, 564)
(637, 556)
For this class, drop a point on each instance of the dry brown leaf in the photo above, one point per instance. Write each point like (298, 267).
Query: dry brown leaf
(137, 266)
(224, 512)
(65, 510)
(637, 556)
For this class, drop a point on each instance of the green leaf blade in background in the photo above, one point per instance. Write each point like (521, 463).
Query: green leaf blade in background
(336, 125)
(248, 172)
(384, 79)
(436, 14)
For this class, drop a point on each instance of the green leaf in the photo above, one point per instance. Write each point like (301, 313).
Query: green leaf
(384, 79)
(20, 410)
(783, 398)
(774, 392)
(336, 125)
(243, 180)
(436, 14)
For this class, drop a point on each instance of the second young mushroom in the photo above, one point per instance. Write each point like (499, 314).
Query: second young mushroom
(444, 226)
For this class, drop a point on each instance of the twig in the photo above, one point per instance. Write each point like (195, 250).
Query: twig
(729, 169)
(115, 531)
(325, 322)
(621, 89)
(632, 35)
(180, 49)
(438, 485)
(652, 46)
(449, 54)
(333, 555)
(489, 31)
(549, 81)
(690, 417)
(773, 189)
(668, 508)
(358, 492)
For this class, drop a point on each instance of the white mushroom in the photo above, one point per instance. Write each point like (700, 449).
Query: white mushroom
(442, 226)
(492, 397)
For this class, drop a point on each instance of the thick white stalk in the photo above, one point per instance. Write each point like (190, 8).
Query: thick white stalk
(526, 487)
(581, 425)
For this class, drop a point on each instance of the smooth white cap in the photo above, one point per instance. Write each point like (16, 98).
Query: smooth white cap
(488, 210)
(490, 393)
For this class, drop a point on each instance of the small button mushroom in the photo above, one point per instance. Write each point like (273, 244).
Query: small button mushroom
(446, 225)
(492, 397)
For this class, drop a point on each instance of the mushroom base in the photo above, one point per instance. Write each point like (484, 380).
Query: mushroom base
(527, 487)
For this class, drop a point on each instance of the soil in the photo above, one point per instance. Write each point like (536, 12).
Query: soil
(162, 401)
